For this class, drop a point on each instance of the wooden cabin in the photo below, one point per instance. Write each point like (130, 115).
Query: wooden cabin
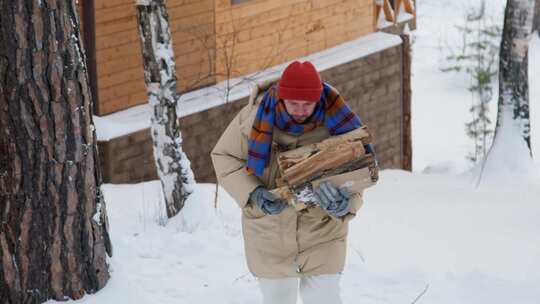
(217, 40)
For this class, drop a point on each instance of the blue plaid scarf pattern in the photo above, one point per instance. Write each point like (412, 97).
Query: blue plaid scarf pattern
(330, 111)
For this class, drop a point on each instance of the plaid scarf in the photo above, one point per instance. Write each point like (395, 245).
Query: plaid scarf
(331, 111)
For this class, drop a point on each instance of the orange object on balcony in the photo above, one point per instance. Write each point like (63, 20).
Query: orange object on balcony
(408, 7)
(386, 7)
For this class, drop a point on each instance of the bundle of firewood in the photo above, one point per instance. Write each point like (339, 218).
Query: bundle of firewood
(339, 159)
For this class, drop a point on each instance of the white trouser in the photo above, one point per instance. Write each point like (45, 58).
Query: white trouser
(321, 289)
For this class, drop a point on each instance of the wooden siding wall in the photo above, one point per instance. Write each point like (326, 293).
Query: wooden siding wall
(263, 33)
(120, 70)
(209, 35)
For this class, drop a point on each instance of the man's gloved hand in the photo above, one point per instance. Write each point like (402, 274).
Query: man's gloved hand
(334, 200)
(267, 201)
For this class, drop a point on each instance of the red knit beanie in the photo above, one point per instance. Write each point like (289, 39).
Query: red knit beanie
(300, 81)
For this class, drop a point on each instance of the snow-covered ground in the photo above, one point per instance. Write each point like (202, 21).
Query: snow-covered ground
(440, 100)
(416, 231)
(430, 233)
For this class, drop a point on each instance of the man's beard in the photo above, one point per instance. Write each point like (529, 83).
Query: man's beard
(299, 119)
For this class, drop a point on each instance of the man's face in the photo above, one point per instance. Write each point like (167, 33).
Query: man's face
(300, 110)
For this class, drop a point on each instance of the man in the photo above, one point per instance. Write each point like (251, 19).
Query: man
(288, 249)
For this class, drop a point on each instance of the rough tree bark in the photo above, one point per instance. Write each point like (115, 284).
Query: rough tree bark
(53, 225)
(536, 22)
(172, 163)
(513, 70)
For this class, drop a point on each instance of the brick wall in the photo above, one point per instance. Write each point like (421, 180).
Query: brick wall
(373, 86)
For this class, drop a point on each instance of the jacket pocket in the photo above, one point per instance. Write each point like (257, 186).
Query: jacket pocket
(252, 212)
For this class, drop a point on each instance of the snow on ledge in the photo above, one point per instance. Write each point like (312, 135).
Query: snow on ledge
(138, 118)
(404, 17)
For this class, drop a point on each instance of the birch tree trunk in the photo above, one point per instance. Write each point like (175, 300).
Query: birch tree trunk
(172, 163)
(513, 70)
(53, 225)
(509, 157)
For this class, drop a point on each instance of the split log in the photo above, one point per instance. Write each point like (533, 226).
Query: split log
(340, 159)
(353, 177)
(309, 162)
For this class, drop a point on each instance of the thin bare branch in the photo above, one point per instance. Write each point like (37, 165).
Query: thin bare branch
(359, 254)
(421, 294)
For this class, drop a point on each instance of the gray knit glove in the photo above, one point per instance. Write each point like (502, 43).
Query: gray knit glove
(267, 201)
(334, 200)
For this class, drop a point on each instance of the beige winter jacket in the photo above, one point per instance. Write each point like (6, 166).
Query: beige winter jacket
(292, 243)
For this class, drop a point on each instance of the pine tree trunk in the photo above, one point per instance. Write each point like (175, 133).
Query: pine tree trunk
(172, 164)
(536, 22)
(53, 226)
(513, 70)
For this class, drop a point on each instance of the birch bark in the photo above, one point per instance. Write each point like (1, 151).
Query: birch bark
(172, 163)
